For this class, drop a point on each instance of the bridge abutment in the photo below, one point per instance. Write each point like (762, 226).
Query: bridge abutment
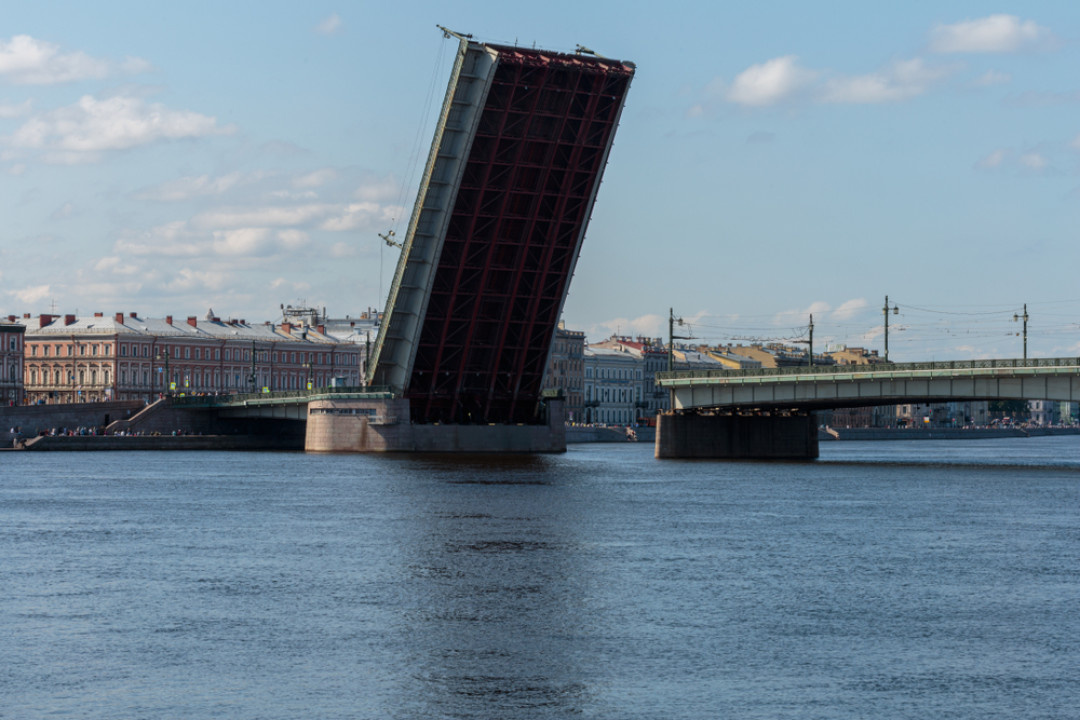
(383, 425)
(734, 437)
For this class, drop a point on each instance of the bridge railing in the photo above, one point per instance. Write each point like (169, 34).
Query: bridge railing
(373, 391)
(871, 369)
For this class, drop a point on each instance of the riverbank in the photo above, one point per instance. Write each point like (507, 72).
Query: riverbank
(159, 442)
(577, 434)
(840, 434)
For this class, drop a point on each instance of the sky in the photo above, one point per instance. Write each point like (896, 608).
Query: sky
(774, 161)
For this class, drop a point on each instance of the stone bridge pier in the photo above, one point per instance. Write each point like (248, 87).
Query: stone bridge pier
(737, 437)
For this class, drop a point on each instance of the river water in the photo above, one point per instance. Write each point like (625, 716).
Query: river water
(930, 579)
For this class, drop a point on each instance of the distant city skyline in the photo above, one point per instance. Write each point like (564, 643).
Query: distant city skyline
(773, 162)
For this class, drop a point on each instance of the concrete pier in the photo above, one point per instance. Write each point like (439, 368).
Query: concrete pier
(731, 437)
(383, 425)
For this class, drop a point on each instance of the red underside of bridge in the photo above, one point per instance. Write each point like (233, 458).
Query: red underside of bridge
(513, 237)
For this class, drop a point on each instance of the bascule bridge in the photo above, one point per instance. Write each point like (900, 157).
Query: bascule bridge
(503, 205)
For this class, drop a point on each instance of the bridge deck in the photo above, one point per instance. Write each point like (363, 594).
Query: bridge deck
(880, 384)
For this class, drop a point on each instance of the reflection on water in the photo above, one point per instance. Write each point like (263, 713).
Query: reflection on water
(933, 579)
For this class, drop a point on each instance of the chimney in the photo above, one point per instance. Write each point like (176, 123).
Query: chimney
(193, 321)
(168, 319)
(99, 314)
(119, 318)
(68, 320)
(286, 327)
(133, 315)
(321, 329)
(11, 318)
(26, 316)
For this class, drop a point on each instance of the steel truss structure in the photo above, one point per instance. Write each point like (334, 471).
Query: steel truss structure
(497, 230)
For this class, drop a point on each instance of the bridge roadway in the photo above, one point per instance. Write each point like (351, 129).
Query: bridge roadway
(834, 386)
(281, 405)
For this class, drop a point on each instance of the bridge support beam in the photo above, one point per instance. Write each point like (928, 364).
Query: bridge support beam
(733, 437)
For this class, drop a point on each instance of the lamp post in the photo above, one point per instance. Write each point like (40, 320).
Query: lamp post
(163, 354)
(253, 374)
(1023, 317)
(885, 310)
(672, 337)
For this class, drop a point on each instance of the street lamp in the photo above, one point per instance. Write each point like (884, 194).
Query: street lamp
(1023, 317)
(885, 310)
(164, 355)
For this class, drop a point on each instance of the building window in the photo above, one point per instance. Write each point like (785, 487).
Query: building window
(187, 353)
(198, 353)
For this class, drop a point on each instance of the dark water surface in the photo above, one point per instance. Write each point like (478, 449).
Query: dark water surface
(930, 579)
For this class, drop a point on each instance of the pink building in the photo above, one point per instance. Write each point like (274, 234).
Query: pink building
(70, 359)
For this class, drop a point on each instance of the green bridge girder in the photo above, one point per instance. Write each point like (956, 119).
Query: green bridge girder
(834, 386)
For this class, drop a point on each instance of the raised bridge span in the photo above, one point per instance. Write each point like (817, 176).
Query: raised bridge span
(768, 413)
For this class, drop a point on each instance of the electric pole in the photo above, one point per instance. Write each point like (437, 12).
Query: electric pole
(885, 310)
(1023, 317)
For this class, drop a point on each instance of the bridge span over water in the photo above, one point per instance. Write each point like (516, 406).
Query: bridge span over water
(769, 413)
(836, 386)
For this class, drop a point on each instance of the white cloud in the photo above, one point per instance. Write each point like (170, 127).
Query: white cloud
(264, 216)
(1033, 161)
(798, 318)
(31, 295)
(849, 309)
(63, 212)
(14, 111)
(28, 61)
(188, 279)
(315, 179)
(82, 131)
(770, 82)
(116, 266)
(174, 239)
(187, 188)
(1075, 143)
(293, 239)
(17, 169)
(992, 34)
(900, 81)
(342, 250)
(650, 325)
(329, 26)
(993, 77)
(359, 215)
(241, 241)
(993, 160)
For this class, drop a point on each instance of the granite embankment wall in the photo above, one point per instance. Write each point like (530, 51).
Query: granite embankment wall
(157, 442)
(34, 419)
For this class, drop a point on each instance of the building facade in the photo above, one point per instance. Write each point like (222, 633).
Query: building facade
(566, 371)
(614, 386)
(69, 359)
(12, 352)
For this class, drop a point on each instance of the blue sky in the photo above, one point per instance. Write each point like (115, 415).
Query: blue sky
(774, 160)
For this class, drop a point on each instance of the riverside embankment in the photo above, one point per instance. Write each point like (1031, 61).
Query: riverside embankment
(835, 434)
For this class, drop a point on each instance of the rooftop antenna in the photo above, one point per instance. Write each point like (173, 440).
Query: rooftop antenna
(448, 33)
